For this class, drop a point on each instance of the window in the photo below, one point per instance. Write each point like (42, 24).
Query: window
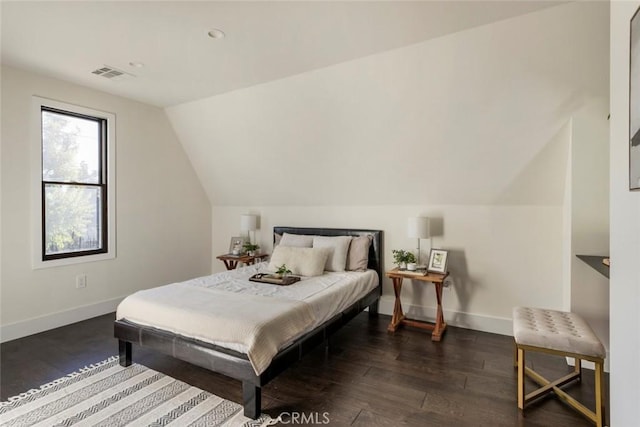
(75, 184)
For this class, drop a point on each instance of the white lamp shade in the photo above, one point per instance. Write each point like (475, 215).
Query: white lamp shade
(248, 222)
(418, 228)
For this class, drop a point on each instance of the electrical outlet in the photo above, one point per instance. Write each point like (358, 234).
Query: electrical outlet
(81, 281)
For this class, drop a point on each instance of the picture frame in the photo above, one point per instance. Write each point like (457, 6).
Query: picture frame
(438, 261)
(236, 245)
(634, 102)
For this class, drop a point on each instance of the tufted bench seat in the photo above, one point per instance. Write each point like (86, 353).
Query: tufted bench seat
(564, 334)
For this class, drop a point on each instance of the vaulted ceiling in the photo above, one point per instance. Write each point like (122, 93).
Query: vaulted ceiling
(478, 117)
(264, 41)
(342, 103)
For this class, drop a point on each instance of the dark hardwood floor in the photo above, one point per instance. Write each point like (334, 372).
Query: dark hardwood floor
(367, 377)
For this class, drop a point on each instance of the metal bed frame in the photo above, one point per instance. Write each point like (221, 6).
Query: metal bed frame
(236, 365)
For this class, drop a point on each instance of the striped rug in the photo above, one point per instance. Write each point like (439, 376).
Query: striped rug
(106, 394)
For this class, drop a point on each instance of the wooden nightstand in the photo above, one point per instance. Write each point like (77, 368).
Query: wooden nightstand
(398, 318)
(231, 261)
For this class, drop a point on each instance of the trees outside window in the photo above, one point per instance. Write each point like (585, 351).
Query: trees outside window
(73, 184)
(74, 155)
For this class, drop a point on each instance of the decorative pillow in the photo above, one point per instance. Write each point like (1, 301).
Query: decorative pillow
(338, 247)
(296, 240)
(277, 239)
(358, 257)
(301, 261)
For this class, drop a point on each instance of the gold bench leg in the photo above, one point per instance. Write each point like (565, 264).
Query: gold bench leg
(599, 397)
(520, 357)
(577, 368)
(547, 386)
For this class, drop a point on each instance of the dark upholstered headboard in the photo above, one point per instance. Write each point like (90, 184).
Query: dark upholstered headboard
(375, 250)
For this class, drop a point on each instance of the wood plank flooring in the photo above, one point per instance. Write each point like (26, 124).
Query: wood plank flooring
(366, 377)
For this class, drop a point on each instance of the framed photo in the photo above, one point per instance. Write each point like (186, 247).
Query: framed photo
(236, 245)
(634, 103)
(437, 261)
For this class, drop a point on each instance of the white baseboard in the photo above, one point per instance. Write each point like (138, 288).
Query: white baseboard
(35, 325)
(492, 324)
(590, 365)
(478, 322)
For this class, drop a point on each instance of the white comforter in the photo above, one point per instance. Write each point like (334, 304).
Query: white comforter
(258, 319)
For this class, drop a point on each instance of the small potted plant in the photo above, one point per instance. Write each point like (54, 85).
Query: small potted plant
(282, 272)
(401, 258)
(250, 248)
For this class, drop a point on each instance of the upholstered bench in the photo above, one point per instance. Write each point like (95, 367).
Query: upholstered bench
(564, 334)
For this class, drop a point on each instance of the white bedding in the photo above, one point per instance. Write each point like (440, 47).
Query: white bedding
(257, 319)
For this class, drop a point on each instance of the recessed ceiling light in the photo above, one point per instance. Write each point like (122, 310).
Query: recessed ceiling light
(136, 64)
(216, 34)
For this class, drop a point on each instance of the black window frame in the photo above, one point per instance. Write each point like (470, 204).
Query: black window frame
(102, 184)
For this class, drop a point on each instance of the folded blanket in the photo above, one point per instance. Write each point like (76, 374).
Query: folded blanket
(260, 324)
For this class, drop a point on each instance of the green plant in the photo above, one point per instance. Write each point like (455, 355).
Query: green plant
(283, 270)
(248, 246)
(403, 257)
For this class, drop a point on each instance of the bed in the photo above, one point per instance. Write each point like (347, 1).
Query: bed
(233, 360)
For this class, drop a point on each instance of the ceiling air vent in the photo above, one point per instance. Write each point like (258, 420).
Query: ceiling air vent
(111, 73)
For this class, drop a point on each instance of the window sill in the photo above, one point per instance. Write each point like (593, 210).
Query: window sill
(39, 264)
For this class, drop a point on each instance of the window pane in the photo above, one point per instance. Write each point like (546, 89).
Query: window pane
(70, 148)
(72, 218)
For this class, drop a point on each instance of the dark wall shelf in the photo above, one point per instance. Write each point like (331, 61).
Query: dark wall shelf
(595, 261)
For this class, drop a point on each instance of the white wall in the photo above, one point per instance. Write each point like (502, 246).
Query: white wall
(590, 213)
(470, 128)
(625, 234)
(464, 119)
(163, 215)
(501, 256)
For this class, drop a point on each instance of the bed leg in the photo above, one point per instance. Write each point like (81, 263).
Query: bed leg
(251, 396)
(124, 353)
(373, 309)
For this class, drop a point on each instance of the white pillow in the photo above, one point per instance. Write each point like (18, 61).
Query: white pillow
(296, 240)
(301, 261)
(338, 247)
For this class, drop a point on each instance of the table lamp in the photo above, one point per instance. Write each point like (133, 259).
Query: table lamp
(418, 228)
(248, 223)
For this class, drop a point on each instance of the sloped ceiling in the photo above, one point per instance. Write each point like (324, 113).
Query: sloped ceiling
(475, 117)
(265, 40)
(342, 103)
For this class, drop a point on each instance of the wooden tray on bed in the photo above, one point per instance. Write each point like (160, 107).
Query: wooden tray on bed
(269, 278)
